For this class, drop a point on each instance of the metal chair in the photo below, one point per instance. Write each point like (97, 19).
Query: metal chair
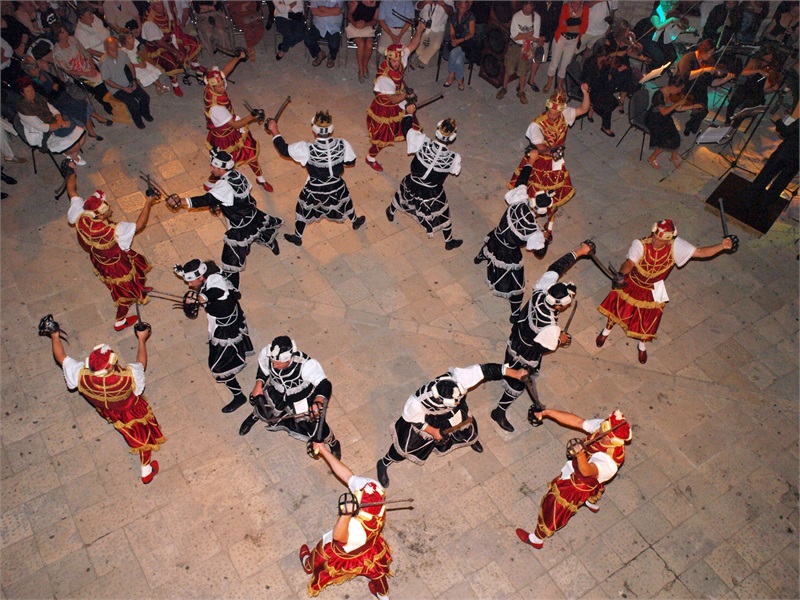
(343, 41)
(18, 127)
(637, 109)
(472, 58)
(572, 84)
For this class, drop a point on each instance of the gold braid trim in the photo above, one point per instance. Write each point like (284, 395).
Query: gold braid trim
(624, 296)
(631, 334)
(553, 132)
(122, 389)
(655, 266)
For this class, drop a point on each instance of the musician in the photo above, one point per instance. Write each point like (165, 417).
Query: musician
(664, 135)
(783, 27)
(699, 73)
(435, 408)
(582, 479)
(758, 78)
(291, 386)
(597, 73)
(621, 45)
(780, 168)
(659, 32)
(723, 23)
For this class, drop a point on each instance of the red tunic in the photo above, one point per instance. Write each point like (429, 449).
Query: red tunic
(332, 565)
(186, 43)
(122, 271)
(239, 143)
(543, 177)
(113, 397)
(633, 306)
(383, 117)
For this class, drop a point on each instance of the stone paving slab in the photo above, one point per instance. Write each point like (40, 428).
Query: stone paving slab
(705, 506)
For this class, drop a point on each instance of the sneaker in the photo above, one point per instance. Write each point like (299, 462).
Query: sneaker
(501, 94)
(148, 478)
(359, 222)
(383, 477)
(318, 60)
(522, 97)
(293, 238)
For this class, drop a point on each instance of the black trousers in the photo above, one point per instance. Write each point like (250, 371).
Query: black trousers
(779, 169)
(138, 103)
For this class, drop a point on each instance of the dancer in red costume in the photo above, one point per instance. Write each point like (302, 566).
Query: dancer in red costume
(108, 244)
(226, 131)
(638, 305)
(117, 395)
(356, 546)
(387, 110)
(581, 482)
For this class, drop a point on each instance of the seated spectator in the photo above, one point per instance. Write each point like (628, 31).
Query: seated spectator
(118, 74)
(247, 17)
(27, 13)
(394, 29)
(16, 35)
(71, 57)
(44, 125)
(437, 12)
(211, 25)
(462, 34)
(90, 31)
(147, 73)
(361, 20)
(290, 19)
(326, 23)
(122, 16)
(77, 110)
(597, 73)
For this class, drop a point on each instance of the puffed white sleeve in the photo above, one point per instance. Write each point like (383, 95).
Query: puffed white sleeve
(299, 152)
(546, 280)
(75, 209)
(349, 153)
(548, 337)
(139, 378)
(222, 191)
(220, 115)
(312, 371)
(71, 369)
(636, 251)
(125, 233)
(570, 115)
(606, 467)
(535, 241)
(413, 411)
(414, 140)
(455, 168)
(534, 134)
(467, 377)
(384, 85)
(682, 251)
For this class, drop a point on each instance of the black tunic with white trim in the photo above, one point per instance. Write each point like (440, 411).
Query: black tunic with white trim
(229, 341)
(245, 222)
(291, 391)
(421, 194)
(408, 438)
(325, 194)
(505, 272)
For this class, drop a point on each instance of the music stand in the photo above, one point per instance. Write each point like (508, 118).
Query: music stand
(654, 73)
(756, 113)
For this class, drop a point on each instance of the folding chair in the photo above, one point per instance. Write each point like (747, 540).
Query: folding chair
(572, 84)
(18, 127)
(637, 109)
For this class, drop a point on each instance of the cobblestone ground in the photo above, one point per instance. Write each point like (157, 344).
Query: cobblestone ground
(705, 505)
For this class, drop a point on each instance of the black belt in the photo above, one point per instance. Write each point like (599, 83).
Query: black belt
(569, 36)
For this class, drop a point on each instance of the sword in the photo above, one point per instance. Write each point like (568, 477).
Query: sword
(450, 430)
(536, 406)
(411, 22)
(431, 100)
(235, 53)
(312, 452)
(576, 445)
(152, 186)
(258, 113)
(571, 316)
(279, 113)
(725, 234)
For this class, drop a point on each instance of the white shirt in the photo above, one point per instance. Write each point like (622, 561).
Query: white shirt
(384, 85)
(283, 8)
(151, 32)
(414, 412)
(92, 36)
(682, 251)
(597, 17)
(220, 115)
(522, 23)
(437, 15)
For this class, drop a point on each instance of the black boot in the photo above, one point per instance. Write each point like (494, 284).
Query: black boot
(383, 477)
(275, 248)
(293, 238)
(7, 179)
(481, 257)
(389, 213)
(453, 244)
(237, 402)
(247, 424)
(359, 222)
(499, 416)
(478, 447)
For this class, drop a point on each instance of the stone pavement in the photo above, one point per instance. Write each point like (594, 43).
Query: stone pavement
(705, 506)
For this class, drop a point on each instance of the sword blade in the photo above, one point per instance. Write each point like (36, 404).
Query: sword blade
(722, 218)
(429, 101)
(282, 108)
(571, 315)
(606, 271)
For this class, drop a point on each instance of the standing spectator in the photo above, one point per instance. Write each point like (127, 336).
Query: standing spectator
(395, 30)
(438, 13)
(90, 31)
(118, 74)
(247, 17)
(462, 34)
(362, 18)
(290, 20)
(147, 73)
(524, 31)
(326, 23)
(550, 12)
(211, 25)
(601, 12)
(122, 16)
(572, 25)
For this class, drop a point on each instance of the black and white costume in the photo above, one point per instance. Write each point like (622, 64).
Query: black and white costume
(291, 391)
(439, 404)
(325, 194)
(505, 271)
(421, 194)
(245, 223)
(535, 331)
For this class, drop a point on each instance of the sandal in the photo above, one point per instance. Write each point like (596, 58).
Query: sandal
(677, 162)
(163, 90)
(461, 85)
(653, 163)
(449, 82)
(621, 107)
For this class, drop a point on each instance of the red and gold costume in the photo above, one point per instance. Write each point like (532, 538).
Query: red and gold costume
(119, 267)
(112, 391)
(332, 562)
(552, 133)
(172, 35)
(570, 490)
(239, 143)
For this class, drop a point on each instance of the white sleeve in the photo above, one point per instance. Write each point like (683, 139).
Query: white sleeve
(636, 251)
(299, 152)
(356, 536)
(546, 280)
(548, 337)
(514, 29)
(71, 369)
(592, 425)
(404, 56)
(139, 378)
(534, 134)
(125, 233)
(35, 123)
(151, 32)
(455, 168)
(220, 115)
(467, 377)
(414, 141)
(537, 24)
(413, 411)
(349, 153)
(682, 251)
(569, 114)
(384, 85)
(75, 209)
(535, 241)
(222, 191)
(606, 467)
(312, 371)
(356, 483)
